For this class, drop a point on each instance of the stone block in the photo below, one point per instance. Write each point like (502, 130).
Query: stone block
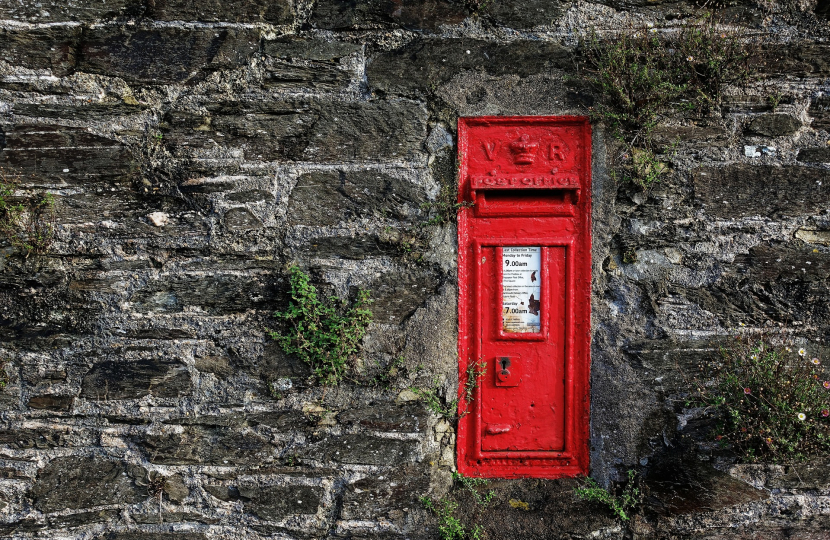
(207, 445)
(304, 63)
(163, 55)
(328, 198)
(774, 125)
(350, 245)
(425, 63)
(685, 488)
(140, 535)
(398, 294)
(814, 155)
(217, 293)
(113, 380)
(804, 59)
(53, 48)
(376, 496)
(693, 135)
(83, 518)
(26, 438)
(81, 482)
(414, 14)
(274, 503)
(249, 11)
(523, 14)
(820, 112)
(51, 402)
(741, 190)
(45, 11)
(59, 155)
(302, 130)
(408, 418)
(363, 450)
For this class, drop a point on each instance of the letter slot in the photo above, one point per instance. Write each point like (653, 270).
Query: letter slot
(524, 270)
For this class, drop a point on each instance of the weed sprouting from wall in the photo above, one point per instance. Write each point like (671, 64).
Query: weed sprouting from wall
(325, 334)
(432, 398)
(772, 403)
(621, 502)
(643, 76)
(27, 222)
(450, 525)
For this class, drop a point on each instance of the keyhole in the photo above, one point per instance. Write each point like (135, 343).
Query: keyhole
(505, 363)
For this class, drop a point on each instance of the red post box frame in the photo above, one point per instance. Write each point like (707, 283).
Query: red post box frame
(524, 202)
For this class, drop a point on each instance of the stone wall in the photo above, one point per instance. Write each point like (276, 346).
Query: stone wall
(196, 149)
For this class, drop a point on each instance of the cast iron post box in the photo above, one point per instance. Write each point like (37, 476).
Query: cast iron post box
(524, 272)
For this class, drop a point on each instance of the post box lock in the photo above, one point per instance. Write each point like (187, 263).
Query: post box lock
(507, 371)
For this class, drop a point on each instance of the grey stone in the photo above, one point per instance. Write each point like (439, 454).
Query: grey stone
(139, 535)
(162, 55)
(694, 135)
(207, 445)
(387, 417)
(814, 155)
(273, 503)
(425, 63)
(415, 15)
(218, 293)
(302, 130)
(327, 198)
(774, 125)
(399, 293)
(79, 482)
(62, 155)
(745, 190)
(240, 219)
(820, 111)
(688, 487)
(373, 497)
(523, 14)
(51, 402)
(363, 449)
(303, 63)
(41, 438)
(218, 365)
(355, 246)
(42, 11)
(805, 59)
(250, 11)
(113, 380)
(53, 48)
(83, 518)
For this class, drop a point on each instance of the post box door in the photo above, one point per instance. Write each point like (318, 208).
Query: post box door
(524, 296)
(523, 397)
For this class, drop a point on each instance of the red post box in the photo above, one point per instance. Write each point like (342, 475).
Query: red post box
(524, 273)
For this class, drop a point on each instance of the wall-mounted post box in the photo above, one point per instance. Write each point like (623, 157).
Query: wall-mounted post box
(524, 271)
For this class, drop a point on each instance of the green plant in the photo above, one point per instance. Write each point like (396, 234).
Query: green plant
(471, 485)
(643, 76)
(4, 376)
(445, 206)
(325, 335)
(388, 373)
(772, 403)
(621, 504)
(450, 526)
(27, 223)
(433, 401)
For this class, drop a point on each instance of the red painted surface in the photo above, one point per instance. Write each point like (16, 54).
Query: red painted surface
(530, 179)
